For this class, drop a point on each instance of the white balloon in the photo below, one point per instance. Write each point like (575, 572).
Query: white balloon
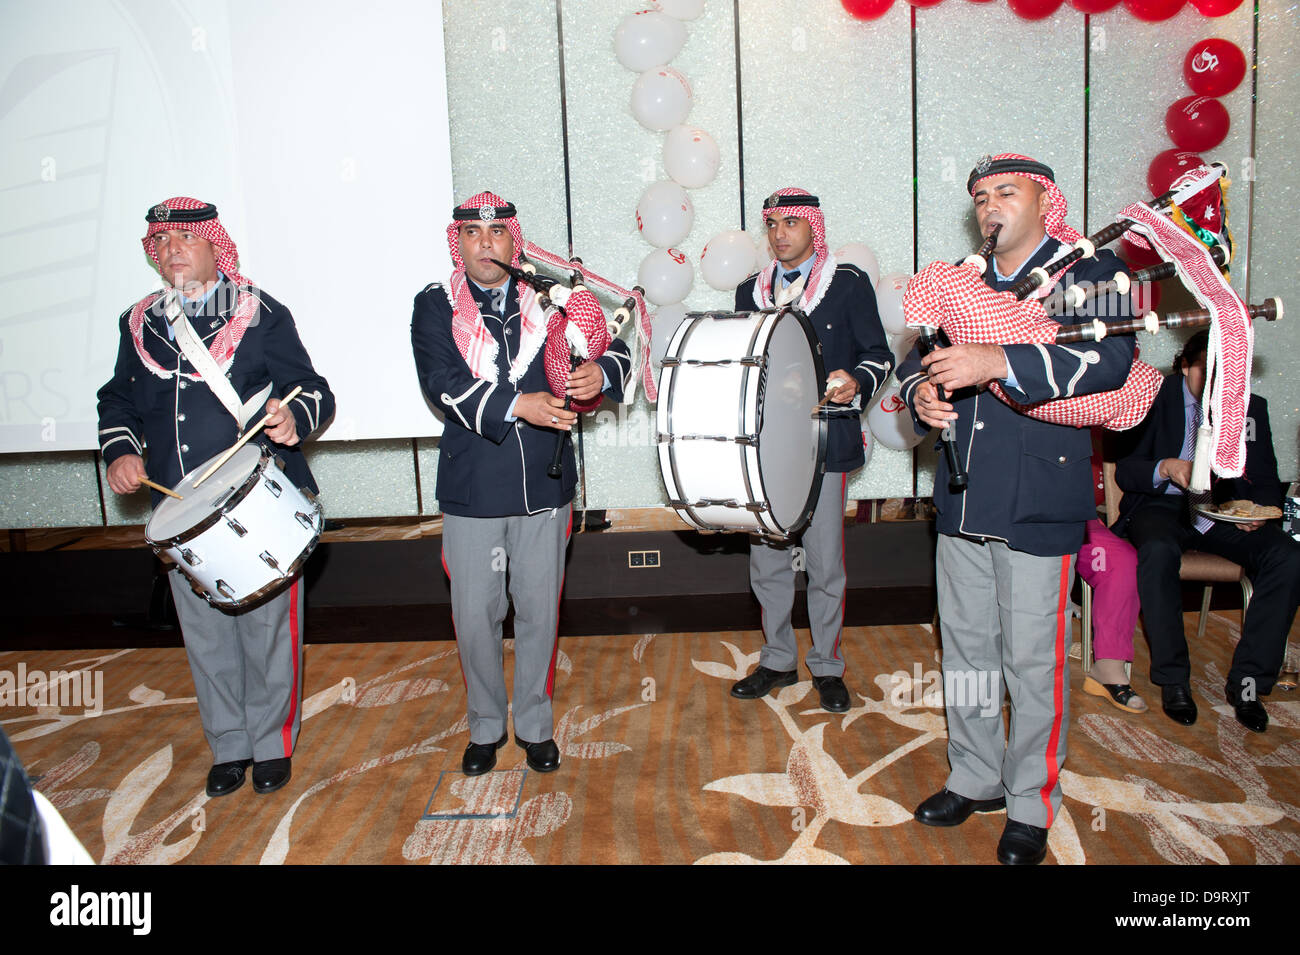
(889, 300)
(868, 443)
(891, 421)
(663, 324)
(661, 98)
(647, 39)
(679, 9)
(691, 156)
(665, 214)
(860, 254)
(901, 344)
(727, 259)
(666, 275)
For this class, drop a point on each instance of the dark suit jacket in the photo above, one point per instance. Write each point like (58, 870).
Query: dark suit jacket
(1161, 436)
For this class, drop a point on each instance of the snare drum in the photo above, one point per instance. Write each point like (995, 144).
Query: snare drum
(246, 530)
(739, 446)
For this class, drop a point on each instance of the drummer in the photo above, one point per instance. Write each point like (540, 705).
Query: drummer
(179, 396)
(839, 301)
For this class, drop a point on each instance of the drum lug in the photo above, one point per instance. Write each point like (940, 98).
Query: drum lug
(273, 487)
(235, 526)
(670, 362)
(191, 558)
(225, 589)
(757, 508)
(269, 560)
(753, 361)
(304, 519)
(718, 502)
(748, 440)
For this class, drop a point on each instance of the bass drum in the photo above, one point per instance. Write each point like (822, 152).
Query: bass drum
(740, 447)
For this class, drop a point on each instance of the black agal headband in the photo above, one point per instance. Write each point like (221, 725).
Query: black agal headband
(165, 214)
(774, 200)
(483, 213)
(1007, 167)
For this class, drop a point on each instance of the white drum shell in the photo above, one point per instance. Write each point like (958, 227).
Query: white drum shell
(769, 485)
(279, 520)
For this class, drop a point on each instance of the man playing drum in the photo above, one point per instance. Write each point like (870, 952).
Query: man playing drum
(840, 303)
(480, 345)
(195, 363)
(1008, 541)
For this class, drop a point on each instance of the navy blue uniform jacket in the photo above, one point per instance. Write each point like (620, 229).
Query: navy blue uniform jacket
(181, 421)
(1030, 481)
(847, 323)
(488, 466)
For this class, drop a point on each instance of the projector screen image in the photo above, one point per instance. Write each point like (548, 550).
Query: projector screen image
(318, 130)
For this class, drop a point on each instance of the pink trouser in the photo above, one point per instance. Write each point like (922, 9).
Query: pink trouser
(1109, 565)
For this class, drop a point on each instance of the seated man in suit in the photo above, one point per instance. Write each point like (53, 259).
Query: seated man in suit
(1157, 515)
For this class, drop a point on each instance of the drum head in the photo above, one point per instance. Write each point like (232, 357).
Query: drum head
(172, 518)
(791, 446)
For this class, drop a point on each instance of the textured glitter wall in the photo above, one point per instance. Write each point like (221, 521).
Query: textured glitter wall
(826, 102)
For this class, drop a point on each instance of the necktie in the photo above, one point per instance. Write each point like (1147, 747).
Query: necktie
(790, 276)
(1196, 499)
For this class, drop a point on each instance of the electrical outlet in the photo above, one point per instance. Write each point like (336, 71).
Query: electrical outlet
(636, 558)
(652, 558)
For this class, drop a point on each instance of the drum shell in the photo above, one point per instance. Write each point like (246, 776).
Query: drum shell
(772, 484)
(267, 507)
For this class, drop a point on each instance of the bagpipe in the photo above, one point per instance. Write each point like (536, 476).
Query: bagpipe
(576, 330)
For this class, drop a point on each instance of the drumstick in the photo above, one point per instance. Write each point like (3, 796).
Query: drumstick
(830, 386)
(158, 487)
(216, 465)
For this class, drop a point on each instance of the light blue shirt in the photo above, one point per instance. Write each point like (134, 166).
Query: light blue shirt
(198, 304)
(804, 269)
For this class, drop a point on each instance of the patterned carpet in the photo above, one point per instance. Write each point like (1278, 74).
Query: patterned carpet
(660, 764)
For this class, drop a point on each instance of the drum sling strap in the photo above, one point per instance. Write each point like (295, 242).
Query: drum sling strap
(192, 347)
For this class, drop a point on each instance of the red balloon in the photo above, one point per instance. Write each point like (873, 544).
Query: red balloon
(1136, 256)
(1214, 67)
(1153, 11)
(866, 9)
(1215, 8)
(1034, 9)
(1197, 123)
(1168, 166)
(1094, 6)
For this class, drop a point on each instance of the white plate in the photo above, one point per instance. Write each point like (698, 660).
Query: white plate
(1214, 515)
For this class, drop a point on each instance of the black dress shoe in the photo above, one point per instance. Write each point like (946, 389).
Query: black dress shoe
(271, 774)
(1022, 844)
(947, 808)
(1176, 700)
(834, 694)
(479, 758)
(758, 683)
(225, 778)
(1251, 714)
(543, 757)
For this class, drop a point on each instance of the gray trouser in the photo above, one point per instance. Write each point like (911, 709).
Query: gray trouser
(771, 575)
(247, 670)
(1005, 621)
(486, 557)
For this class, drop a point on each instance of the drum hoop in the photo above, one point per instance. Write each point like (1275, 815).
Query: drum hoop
(819, 467)
(233, 501)
(685, 331)
(762, 329)
(289, 574)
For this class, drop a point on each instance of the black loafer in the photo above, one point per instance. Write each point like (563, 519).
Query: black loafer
(271, 774)
(543, 757)
(758, 683)
(1252, 715)
(834, 694)
(225, 778)
(1022, 844)
(946, 808)
(480, 758)
(1176, 700)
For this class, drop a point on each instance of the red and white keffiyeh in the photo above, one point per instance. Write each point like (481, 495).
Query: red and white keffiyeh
(823, 270)
(227, 340)
(585, 328)
(1221, 439)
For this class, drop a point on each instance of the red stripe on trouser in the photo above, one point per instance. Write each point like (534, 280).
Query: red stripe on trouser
(459, 658)
(555, 647)
(844, 491)
(295, 638)
(1058, 689)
